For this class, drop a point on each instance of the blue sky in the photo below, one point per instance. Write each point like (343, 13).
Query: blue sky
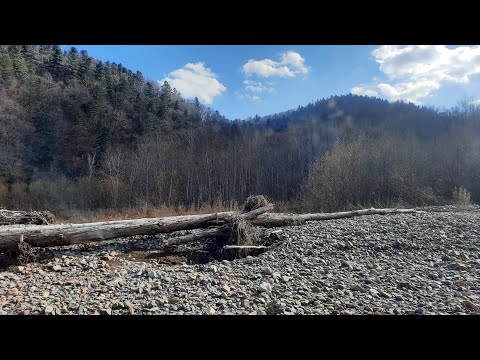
(243, 81)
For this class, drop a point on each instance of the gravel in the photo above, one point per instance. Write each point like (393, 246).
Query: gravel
(416, 264)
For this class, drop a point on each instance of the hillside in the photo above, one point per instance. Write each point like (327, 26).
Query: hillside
(79, 135)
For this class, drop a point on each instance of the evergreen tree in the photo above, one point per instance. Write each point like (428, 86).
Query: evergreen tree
(73, 64)
(85, 71)
(6, 67)
(20, 68)
(56, 63)
(31, 55)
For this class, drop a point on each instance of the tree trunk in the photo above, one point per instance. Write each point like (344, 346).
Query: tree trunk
(276, 220)
(69, 234)
(58, 235)
(9, 217)
(202, 235)
(219, 231)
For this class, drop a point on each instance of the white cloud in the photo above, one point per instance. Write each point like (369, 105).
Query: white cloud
(296, 61)
(476, 102)
(417, 71)
(256, 86)
(410, 91)
(290, 65)
(360, 90)
(195, 80)
(254, 98)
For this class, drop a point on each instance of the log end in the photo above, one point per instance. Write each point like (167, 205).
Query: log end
(254, 202)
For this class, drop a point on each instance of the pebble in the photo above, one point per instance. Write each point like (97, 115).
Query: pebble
(264, 287)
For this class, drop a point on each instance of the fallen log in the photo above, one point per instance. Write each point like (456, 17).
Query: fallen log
(278, 220)
(70, 234)
(202, 235)
(220, 231)
(10, 217)
(254, 247)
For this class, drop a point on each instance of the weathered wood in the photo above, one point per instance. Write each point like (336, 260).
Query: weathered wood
(220, 231)
(12, 217)
(226, 247)
(201, 235)
(69, 234)
(277, 220)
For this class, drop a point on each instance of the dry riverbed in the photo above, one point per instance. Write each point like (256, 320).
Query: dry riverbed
(424, 263)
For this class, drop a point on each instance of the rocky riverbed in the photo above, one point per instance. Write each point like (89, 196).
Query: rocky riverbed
(423, 263)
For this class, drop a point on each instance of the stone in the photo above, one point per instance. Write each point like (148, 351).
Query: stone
(57, 268)
(267, 271)
(210, 311)
(264, 287)
(249, 260)
(357, 287)
(405, 284)
(373, 292)
(18, 269)
(459, 266)
(138, 290)
(384, 294)
(152, 274)
(13, 292)
(470, 305)
(174, 300)
(275, 307)
(419, 311)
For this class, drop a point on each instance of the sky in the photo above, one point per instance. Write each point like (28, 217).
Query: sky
(242, 81)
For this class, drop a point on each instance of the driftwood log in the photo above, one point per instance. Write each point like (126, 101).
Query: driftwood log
(9, 217)
(70, 234)
(220, 231)
(277, 220)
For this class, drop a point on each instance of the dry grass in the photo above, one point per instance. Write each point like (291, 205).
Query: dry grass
(111, 215)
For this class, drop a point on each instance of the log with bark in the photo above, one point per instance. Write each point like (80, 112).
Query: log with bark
(10, 217)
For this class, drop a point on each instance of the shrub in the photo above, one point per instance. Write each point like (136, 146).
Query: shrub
(461, 196)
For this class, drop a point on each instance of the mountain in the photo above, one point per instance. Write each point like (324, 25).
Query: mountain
(57, 108)
(362, 111)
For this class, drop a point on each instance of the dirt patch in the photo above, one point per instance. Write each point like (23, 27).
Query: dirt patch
(113, 263)
(202, 255)
(157, 256)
